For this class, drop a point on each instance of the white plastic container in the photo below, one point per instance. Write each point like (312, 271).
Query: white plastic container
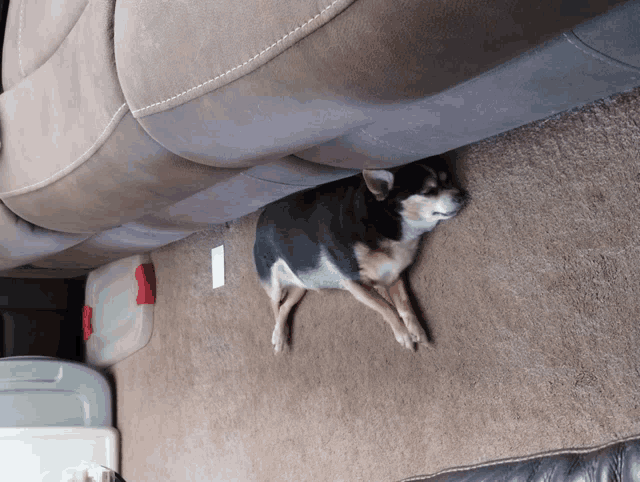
(120, 297)
(44, 454)
(55, 415)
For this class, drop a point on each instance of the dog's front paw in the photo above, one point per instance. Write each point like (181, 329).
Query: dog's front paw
(279, 340)
(405, 339)
(418, 335)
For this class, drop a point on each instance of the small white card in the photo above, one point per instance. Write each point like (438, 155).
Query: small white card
(217, 266)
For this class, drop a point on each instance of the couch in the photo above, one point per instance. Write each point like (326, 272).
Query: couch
(617, 461)
(127, 126)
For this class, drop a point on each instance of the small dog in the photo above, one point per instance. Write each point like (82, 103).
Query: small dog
(355, 236)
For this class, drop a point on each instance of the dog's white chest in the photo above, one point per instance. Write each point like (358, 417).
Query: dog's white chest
(383, 266)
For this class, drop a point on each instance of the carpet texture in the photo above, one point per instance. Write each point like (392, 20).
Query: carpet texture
(531, 295)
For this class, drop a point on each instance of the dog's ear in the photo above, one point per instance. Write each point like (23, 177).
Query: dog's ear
(379, 182)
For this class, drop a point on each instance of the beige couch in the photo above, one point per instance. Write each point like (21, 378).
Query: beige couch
(128, 125)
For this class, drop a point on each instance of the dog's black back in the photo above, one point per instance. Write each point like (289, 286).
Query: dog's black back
(295, 228)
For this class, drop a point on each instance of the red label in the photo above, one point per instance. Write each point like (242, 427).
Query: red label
(146, 277)
(87, 330)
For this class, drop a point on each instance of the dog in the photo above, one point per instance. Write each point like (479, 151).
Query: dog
(357, 234)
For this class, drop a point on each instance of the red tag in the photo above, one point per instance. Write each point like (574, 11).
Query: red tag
(146, 277)
(87, 330)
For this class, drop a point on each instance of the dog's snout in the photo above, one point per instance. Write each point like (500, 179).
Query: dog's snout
(462, 198)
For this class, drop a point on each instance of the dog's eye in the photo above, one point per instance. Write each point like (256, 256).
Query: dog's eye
(430, 191)
(429, 187)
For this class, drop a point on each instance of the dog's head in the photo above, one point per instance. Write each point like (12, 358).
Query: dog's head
(425, 196)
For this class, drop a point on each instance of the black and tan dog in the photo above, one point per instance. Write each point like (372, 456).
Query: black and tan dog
(358, 234)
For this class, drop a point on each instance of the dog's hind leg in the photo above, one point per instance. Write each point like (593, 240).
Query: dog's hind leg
(373, 300)
(400, 298)
(282, 300)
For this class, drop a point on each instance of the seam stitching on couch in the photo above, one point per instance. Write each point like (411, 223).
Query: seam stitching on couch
(71, 167)
(239, 65)
(527, 458)
(21, 19)
(587, 49)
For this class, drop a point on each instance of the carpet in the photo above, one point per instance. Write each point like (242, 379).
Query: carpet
(531, 295)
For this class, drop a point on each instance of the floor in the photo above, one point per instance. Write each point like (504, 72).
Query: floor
(531, 295)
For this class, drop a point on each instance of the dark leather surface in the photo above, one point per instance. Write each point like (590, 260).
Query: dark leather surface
(4, 9)
(618, 461)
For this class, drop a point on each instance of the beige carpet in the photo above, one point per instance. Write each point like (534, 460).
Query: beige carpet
(531, 295)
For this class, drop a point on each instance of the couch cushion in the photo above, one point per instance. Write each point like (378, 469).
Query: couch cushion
(192, 40)
(73, 158)
(34, 31)
(222, 87)
(22, 242)
(110, 245)
(564, 73)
